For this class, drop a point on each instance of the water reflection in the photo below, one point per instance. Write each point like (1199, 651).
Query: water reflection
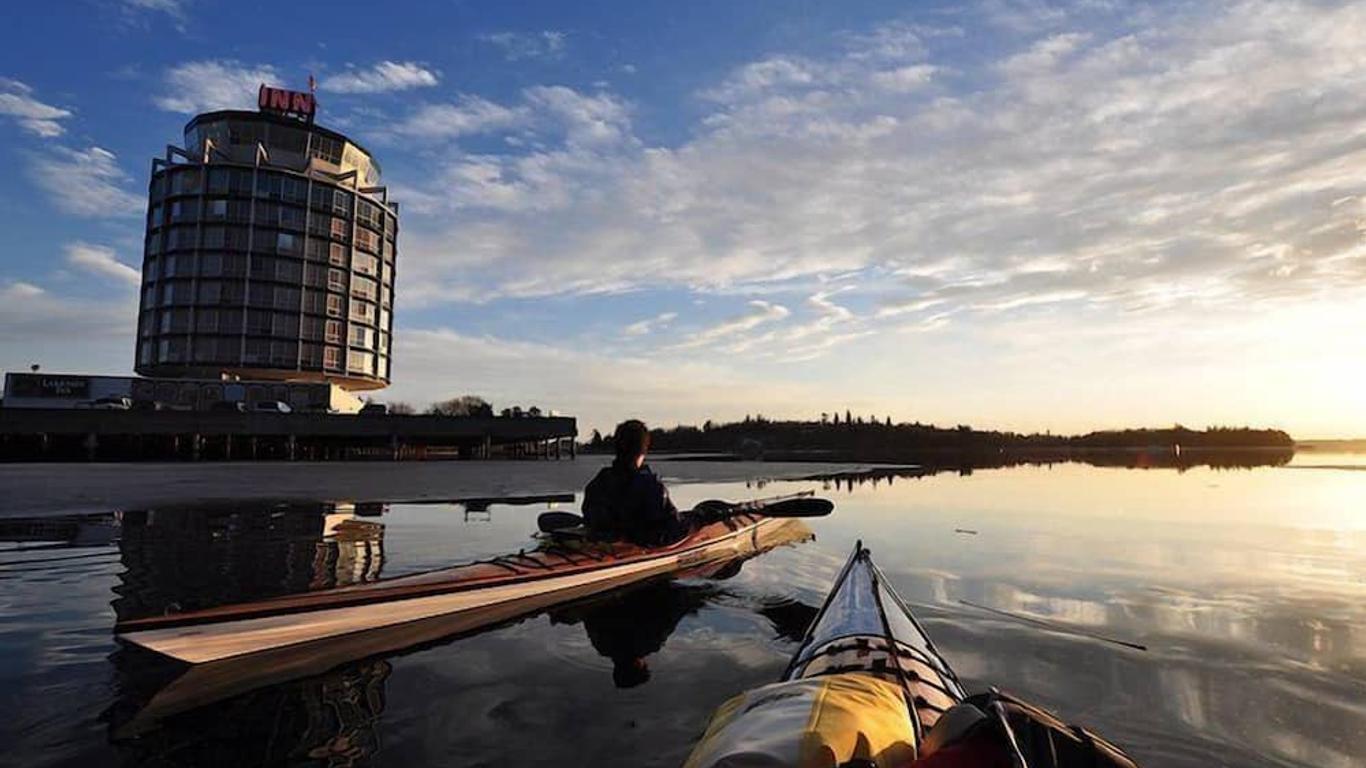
(1248, 587)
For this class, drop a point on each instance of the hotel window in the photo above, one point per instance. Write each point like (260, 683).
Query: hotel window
(366, 264)
(211, 264)
(148, 324)
(325, 148)
(311, 355)
(334, 305)
(286, 297)
(362, 336)
(154, 245)
(341, 230)
(341, 202)
(361, 310)
(337, 255)
(385, 295)
(261, 296)
(284, 353)
(333, 332)
(234, 264)
(367, 240)
(388, 251)
(257, 351)
(285, 324)
(294, 190)
(291, 217)
(173, 350)
(384, 318)
(216, 209)
(215, 237)
(171, 293)
(154, 216)
(289, 271)
(183, 210)
(287, 243)
(383, 342)
(145, 353)
(312, 328)
(315, 275)
(262, 267)
(363, 287)
(332, 358)
(220, 180)
(151, 268)
(336, 280)
(206, 320)
(360, 361)
(210, 292)
(185, 181)
(206, 350)
(315, 302)
(368, 213)
(258, 322)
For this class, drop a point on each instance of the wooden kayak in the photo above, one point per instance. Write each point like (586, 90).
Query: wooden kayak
(715, 547)
(559, 571)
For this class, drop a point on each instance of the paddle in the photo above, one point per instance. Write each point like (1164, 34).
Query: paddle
(799, 505)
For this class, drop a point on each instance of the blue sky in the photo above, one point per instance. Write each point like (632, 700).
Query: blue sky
(1010, 214)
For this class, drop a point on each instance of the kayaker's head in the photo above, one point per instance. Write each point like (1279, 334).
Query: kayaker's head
(632, 440)
(628, 673)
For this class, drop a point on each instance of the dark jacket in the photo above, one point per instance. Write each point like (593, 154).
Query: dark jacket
(627, 503)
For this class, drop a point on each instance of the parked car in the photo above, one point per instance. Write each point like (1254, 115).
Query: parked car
(150, 405)
(374, 409)
(271, 406)
(113, 403)
(228, 406)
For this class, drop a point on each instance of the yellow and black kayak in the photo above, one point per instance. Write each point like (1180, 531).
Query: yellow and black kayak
(868, 689)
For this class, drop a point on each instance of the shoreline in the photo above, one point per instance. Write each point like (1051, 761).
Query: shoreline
(43, 489)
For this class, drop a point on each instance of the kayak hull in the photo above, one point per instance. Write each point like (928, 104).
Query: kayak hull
(517, 583)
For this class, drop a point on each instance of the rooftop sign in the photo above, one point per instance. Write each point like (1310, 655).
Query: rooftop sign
(289, 103)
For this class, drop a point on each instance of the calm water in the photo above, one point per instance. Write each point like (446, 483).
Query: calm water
(1247, 586)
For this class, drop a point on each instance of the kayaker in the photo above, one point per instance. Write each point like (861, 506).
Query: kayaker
(627, 500)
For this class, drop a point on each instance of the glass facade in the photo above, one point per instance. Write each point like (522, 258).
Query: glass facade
(265, 259)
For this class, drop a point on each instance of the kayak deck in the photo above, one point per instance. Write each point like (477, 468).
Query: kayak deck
(528, 580)
(864, 626)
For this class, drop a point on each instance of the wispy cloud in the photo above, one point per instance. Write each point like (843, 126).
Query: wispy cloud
(760, 312)
(101, 260)
(85, 182)
(546, 44)
(383, 77)
(18, 102)
(202, 86)
(470, 115)
(649, 324)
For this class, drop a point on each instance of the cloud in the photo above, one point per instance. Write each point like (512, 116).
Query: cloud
(649, 324)
(547, 44)
(65, 332)
(101, 260)
(760, 312)
(383, 77)
(34, 116)
(85, 182)
(470, 115)
(1124, 161)
(600, 388)
(203, 86)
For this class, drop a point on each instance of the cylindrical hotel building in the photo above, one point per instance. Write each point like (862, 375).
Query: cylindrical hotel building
(270, 255)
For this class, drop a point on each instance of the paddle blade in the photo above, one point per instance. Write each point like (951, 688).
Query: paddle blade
(550, 522)
(808, 507)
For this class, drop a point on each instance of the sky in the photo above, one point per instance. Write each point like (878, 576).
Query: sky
(1014, 215)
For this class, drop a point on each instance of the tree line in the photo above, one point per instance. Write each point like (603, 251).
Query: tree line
(872, 438)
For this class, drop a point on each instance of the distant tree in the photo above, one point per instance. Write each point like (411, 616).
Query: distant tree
(825, 417)
(706, 425)
(464, 405)
(534, 412)
(889, 421)
(848, 417)
(837, 418)
(596, 441)
(399, 408)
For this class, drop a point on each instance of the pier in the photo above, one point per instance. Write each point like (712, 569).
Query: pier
(34, 434)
